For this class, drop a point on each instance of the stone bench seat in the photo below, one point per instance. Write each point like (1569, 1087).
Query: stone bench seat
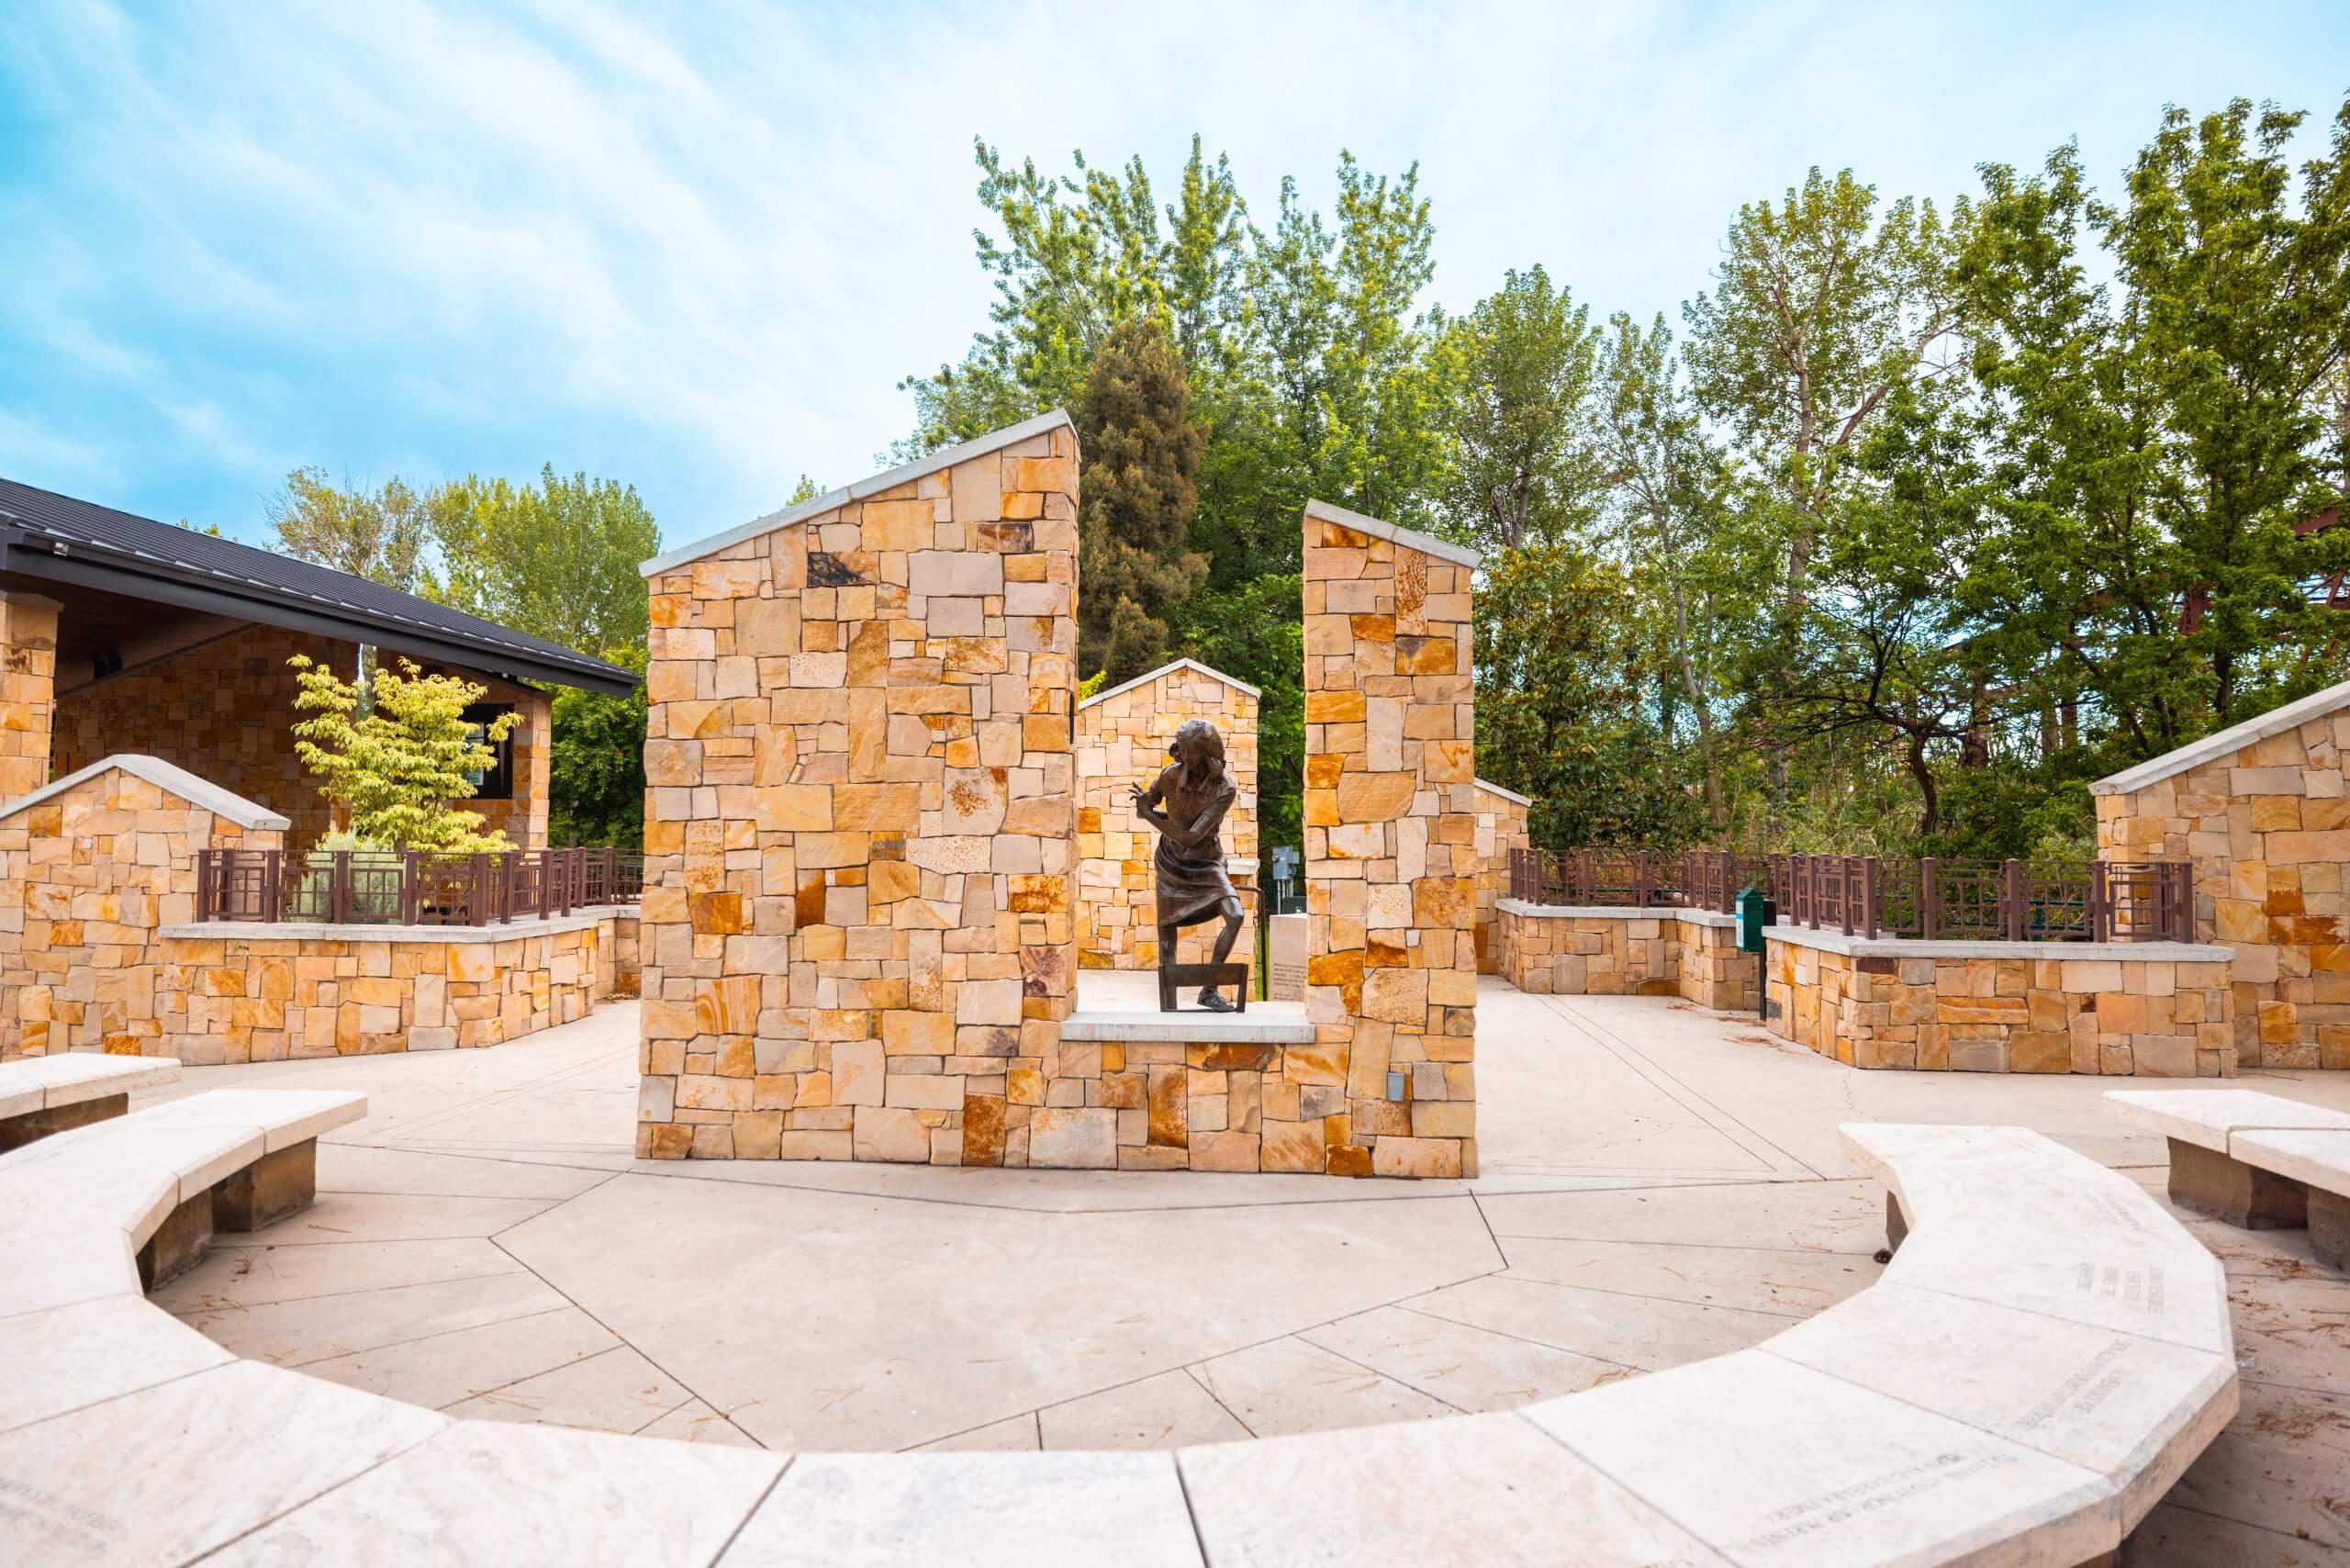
(40, 1095)
(2258, 1161)
(2047, 1351)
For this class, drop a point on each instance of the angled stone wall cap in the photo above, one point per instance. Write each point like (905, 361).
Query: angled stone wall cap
(1411, 539)
(2235, 737)
(1488, 784)
(199, 793)
(889, 480)
(1123, 686)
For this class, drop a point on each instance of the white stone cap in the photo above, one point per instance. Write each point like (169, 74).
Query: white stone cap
(195, 791)
(580, 919)
(891, 479)
(2315, 1159)
(1265, 1023)
(1488, 785)
(1858, 946)
(1167, 669)
(2210, 1118)
(70, 1078)
(2235, 737)
(1411, 539)
(1614, 912)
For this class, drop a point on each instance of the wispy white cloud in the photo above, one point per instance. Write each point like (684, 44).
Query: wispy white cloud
(698, 248)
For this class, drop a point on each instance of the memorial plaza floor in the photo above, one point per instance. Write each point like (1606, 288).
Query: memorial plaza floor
(1660, 1184)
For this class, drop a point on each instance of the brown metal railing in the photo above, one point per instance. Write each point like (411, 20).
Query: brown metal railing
(411, 887)
(1861, 895)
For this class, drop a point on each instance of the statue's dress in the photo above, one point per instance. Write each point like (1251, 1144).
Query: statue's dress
(1193, 882)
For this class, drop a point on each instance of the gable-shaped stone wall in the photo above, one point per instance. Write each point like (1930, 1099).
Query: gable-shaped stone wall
(1500, 828)
(858, 934)
(1122, 739)
(1391, 846)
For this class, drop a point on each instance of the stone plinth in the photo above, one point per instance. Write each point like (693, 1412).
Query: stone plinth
(2142, 1009)
(2261, 810)
(1391, 845)
(1184, 1092)
(1500, 828)
(1122, 739)
(861, 818)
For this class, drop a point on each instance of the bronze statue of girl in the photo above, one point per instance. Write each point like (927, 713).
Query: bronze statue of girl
(1186, 804)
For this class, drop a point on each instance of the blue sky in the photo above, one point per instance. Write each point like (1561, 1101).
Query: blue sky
(696, 247)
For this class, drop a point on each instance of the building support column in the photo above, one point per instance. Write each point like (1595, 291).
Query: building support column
(28, 690)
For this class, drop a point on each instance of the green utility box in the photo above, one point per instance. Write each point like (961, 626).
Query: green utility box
(1754, 913)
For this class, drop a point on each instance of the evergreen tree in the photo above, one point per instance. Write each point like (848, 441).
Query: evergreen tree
(1138, 498)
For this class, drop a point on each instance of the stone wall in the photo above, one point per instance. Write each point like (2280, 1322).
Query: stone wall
(2008, 1007)
(1500, 828)
(1122, 739)
(88, 874)
(28, 690)
(2266, 823)
(1391, 848)
(861, 822)
(1690, 954)
(224, 710)
(270, 993)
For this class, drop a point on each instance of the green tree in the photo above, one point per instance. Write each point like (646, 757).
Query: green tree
(1527, 465)
(380, 534)
(1136, 501)
(596, 762)
(557, 559)
(398, 766)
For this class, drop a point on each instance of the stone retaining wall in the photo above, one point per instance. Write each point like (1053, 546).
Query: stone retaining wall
(1122, 739)
(1611, 952)
(240, 996)
(2162, 1011)
(1500, 828)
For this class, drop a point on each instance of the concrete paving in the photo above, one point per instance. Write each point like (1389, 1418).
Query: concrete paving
(1661, 1184)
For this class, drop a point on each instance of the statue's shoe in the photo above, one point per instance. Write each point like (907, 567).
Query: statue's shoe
(1214, 1002)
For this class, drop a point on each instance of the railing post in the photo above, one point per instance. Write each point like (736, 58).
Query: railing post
(2011, 899)
(204, 884)
(2101, 907)
(1868, 898)
(1930, 898)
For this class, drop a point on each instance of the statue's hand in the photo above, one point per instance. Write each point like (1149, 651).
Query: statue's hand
(1141, 799)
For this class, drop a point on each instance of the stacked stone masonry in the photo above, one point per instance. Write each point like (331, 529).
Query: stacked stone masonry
(1391, 851)
(2268, 827)
(223, 709)
(1627, 953)
(28, 690)
(1121, 740)
(860, 829)
(88, 877)
(2158, 1017)
(1500, 828)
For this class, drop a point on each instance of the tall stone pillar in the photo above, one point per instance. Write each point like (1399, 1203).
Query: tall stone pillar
(28, 690)
(1391, 844)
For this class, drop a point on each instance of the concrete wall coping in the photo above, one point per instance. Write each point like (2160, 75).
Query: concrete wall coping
(1410, 538)
(70, 1078)
(889, 479)
(2068, 952)
(582, 919)
(200, 793)
(1491, 788)
(2235, 738)
(1712, 917)
(1263, 1024)
(1192, 665)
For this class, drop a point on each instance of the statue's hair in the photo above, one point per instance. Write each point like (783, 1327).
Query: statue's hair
(1200, 728)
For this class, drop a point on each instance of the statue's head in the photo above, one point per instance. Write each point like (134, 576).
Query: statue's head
(1199, 748)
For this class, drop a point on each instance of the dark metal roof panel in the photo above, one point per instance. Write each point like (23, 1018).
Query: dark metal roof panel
(134, 542)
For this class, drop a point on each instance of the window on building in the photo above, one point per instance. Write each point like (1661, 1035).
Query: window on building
(495, 782)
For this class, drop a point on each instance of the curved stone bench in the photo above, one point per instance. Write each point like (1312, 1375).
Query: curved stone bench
(2256, 1161)
(42, 1095)
(2046, 1352)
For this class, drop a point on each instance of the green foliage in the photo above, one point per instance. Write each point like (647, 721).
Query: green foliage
(377, 535)
(596, 762)
(1257, 630)
(557, 559)
(1136, 502)
(396, 768)
(1527, 469)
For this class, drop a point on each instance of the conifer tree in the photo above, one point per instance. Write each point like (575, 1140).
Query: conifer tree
(1136, 500)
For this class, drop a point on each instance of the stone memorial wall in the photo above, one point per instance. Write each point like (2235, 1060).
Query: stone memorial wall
(858, 934)
(1391, 849)
(1500, 828)
(1122, 739)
